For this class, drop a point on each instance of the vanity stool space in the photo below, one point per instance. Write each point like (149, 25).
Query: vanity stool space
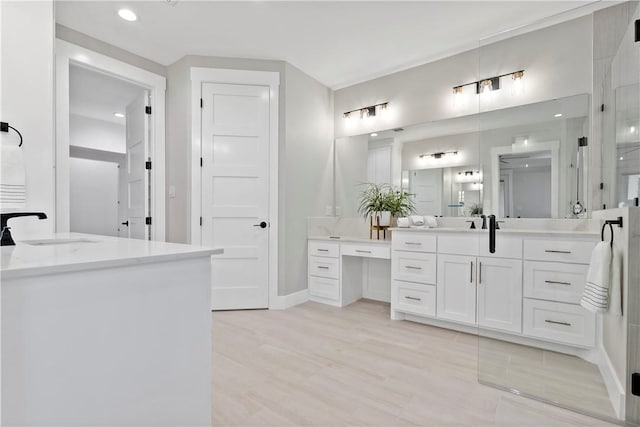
(529, 289)
(341, 271)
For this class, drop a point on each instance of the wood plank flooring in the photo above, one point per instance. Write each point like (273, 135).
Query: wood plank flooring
(324, 366)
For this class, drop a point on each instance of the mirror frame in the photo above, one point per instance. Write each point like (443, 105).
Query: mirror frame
(496, 152)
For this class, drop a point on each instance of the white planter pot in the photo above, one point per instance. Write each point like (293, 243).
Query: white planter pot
(385, 219)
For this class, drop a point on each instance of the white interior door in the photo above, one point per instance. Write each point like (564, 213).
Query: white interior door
(137, 196)
(427, 187)
(235, 192)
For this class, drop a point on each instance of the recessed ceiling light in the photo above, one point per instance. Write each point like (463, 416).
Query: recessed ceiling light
(558, 115)
(119, 115)
(526, 166)
(632, 129)
(127, 15)
(621, 158)
(374, 134)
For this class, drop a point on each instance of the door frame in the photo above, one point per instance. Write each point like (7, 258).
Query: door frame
(68, 54)
(200, 75)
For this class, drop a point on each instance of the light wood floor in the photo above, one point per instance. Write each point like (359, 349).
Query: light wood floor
(318, 365)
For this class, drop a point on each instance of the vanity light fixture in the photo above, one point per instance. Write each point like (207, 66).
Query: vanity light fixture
(366, 112)
(557, 115)
(119, 115)
(127, 15)
(438, 155)
(491, 83)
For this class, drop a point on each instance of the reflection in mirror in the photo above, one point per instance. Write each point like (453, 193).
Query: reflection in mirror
(525, 185)
(628, 144)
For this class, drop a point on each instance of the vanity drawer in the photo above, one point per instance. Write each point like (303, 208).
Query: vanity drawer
(324, 267)
(415, 298)
(578, 252)
(325, 249)
(554, 281)
(459, 244)
(367, 251)
(413, 242)
(324, 288)
(555, 321)
(414, 267)
(506, 246)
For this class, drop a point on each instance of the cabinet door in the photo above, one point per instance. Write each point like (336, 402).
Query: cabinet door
(500, 294)
(456, 290)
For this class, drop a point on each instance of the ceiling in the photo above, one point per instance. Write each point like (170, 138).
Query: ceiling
(338, 43)
(99, 96)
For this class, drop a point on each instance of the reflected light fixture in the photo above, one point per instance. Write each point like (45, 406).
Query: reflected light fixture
(632, 129)
(373, 134)
(127, 15)
(438, 155)
(557, 115)
(119, 115)
(367, 112)
(491, 83)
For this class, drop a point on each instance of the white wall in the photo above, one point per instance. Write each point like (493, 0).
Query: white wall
(93, 187)
(530, 190)
(26, 101)
(97, 134)
(557, 61)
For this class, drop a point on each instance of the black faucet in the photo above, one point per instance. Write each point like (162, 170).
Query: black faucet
(492, 234)
(6, 239)
(484, 221)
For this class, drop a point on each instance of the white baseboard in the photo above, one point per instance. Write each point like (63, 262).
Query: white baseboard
(288, 301)
(614, 388)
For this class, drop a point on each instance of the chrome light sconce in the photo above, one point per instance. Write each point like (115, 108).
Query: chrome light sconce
(366, 112)
(491, 83)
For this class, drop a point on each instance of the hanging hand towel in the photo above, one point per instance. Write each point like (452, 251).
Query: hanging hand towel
(615, 303)
(595, 297)
(13, 193)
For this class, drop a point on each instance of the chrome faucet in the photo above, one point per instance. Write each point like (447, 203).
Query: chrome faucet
(6, 239)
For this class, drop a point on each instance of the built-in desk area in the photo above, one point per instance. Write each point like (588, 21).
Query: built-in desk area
(343, 270)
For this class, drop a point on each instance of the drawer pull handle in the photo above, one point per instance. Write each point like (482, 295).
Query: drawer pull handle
(553, 282)
(322, 250)
(553, 251)
(323, 267)
(412, 243)
(555, 322)
(480, 273)
(363, 252)
(413, 267)
(413, 298)
(471, 272)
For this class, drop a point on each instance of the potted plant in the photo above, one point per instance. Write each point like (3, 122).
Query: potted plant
(381, 202)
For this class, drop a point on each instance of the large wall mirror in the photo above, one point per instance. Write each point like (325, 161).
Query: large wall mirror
(529, 161)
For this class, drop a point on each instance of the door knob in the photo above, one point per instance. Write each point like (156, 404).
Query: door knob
(126, 223)
(263, 224)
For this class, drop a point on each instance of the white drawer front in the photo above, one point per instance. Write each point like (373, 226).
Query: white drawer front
(554, 281)
(414, 242)
(324, 267)
(555, 321)
(578, 252)
(367, 251)
(324, 288)
(326, 249)
(415, 298)
(506, 246)
(414, 267)
(459, 244)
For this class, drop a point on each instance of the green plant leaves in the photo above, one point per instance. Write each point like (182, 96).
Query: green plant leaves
(384, 197)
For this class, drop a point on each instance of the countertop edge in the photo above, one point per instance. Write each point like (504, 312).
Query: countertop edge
(31, 271)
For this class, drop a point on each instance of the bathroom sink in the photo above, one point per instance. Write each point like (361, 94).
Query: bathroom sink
(49, 242)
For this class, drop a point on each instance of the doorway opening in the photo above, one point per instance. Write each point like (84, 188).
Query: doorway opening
(102, 121)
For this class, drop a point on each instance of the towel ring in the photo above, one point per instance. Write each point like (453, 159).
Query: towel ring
(4, 127)
(610, 223)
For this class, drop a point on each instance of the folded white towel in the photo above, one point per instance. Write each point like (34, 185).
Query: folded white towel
(12, 177)
(404, 222)
(416, 220)
(595, 297)
(615, 303)
(430, 221)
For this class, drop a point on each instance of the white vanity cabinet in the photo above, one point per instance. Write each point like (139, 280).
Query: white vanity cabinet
(529, 289)
(324, 272)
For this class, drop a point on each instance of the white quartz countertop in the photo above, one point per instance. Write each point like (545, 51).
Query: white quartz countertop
(350, 239)
(501, 230)
(67, 252)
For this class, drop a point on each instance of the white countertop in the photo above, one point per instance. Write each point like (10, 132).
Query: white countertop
(351, 239)
(501, 230)
(78, 252)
